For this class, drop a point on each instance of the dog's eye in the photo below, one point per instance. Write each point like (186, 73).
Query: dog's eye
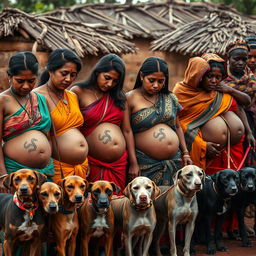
(44, 194)
(96, 192)
(108, 191)
(82, 186)
(148, 187)
(17, 179)
(57, 194)
(200, 174)
(189, 175)
(70, 186)
(30, 178)
(136, 188)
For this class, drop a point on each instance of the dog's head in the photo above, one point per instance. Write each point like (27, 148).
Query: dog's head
(101, 193)
(248, 179)
(74, 188)
(190, 177)
(141, 190)
(226, 181)
(24, 181)
(49, 195)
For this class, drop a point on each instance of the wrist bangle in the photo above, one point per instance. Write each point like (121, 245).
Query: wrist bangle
(185, 152)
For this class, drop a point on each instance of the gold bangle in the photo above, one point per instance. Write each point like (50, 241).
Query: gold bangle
(185, 152)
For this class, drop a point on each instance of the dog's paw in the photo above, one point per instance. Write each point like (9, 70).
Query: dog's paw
(247, 243)
(211, 250)
(221, 248)
(192, 250)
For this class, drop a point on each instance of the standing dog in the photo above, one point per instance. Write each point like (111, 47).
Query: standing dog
(178, 205)
(64, 224)
(136, 214)
(96, 216)
(215, 200)
(21, 218)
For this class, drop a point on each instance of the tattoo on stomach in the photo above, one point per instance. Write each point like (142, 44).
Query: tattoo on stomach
(106, 138)
(31, 146)
(160, 134)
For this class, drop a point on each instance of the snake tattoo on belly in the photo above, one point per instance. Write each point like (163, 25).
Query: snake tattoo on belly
(160, 135)
(31, 146)
(106, 138)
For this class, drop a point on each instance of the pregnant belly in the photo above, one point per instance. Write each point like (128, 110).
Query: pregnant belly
(72, 145)
(160, 142)
(31, 149)
(106, 142)
(236, 127)
(215, 131)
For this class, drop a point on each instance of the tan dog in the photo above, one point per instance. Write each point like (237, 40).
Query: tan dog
(49, 196)
(178, 205)
(21, 218)
(96, 216)
(64, 224)
(135, 213)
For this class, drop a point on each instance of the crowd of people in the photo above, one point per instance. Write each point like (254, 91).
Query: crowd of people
(92, 129)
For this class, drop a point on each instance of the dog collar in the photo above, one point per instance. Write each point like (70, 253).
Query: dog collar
(64, 211)
(140, 207)
(31, 208)
(184, 193)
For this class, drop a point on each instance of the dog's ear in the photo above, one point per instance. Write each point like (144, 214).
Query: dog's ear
(61, 183)
(127, 191)
(177, 176)
(61, 194)
(204, 175)
(7, 181)
(41, 178)
(156, 191)
(215, 177)
(115, 188)
(90, 186)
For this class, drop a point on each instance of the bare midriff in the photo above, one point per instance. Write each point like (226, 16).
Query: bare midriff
(159, 142)
(216, 130)
(31, 149)
(73, 147)
(106, 142)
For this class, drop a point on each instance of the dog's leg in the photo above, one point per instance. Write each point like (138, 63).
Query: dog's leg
(206, 222)
(146, 243)
(61, 246)
(8, 248)
(218, 235)
(157, 234)
(108, 245)
(128, 244)
(35, 248)
(188, 234)
(242, 228)
(172, 236)
(85, 244)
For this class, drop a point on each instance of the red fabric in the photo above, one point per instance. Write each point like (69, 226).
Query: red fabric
(233, 106)
(94, 112)
(115, 171)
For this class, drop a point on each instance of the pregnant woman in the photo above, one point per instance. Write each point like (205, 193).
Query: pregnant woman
(157, 132)
(106, 122)
(208, 113)
(24, 120)
(69, 145)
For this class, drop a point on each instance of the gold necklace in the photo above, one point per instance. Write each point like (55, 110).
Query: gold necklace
(32, 117)
(62, 100)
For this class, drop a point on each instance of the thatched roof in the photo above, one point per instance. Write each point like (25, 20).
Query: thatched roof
(52, 33)
(150, 20)
(210, 34)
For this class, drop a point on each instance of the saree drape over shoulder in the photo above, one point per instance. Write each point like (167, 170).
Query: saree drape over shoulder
(66, 117)
(198, 108)
(164, 111)
(19, 123)
(101, 111)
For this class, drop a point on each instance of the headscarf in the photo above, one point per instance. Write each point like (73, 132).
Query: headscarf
(238, 44)
(251, 41)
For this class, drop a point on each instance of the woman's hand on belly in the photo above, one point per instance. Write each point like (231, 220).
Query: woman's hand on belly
(31, 149)
(160, 142)
(212, 149)
(72, 147)
(106, 143)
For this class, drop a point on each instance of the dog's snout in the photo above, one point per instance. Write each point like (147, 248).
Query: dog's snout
(234, 189)
(53, 206)
(78, 198)
(23, 189)
(143, 198)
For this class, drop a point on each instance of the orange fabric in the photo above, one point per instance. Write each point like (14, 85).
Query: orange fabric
(195, 101)
(67, 116)
(69, 170)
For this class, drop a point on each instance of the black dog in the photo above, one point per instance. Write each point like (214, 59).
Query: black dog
(214, 200)
(245, 197)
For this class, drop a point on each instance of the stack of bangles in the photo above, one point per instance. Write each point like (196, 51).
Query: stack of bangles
(185, 153)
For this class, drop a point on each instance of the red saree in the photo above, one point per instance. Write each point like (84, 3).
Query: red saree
(100, 111)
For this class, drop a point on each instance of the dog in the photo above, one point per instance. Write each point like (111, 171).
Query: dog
(215, 200)
(178, 205)
(96, 216)
(49, 196)
(245, 197)
(64, 224)
(135, 213)
(21, 218)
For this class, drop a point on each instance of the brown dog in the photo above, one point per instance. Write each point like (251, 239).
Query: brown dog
(64, 224)
(178, 205)
(49, 196)
(135, 213)
(96, 216)
(21, 218)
